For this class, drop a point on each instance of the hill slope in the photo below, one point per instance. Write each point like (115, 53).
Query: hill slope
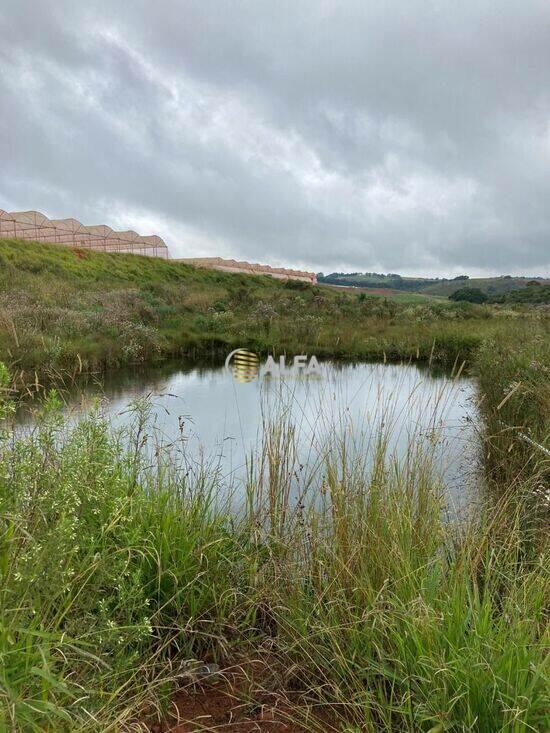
(73, 310)
(492, 286)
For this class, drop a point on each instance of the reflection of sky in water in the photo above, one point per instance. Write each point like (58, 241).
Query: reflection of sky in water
(222, 421)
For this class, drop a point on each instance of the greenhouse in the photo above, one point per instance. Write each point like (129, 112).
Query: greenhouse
(34, 226)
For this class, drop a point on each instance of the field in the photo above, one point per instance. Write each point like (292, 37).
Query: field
(132, 595)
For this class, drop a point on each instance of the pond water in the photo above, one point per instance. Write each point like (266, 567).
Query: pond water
(212, 420)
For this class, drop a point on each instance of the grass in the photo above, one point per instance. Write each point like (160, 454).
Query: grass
(372, 605)
(374, 610)
(73, 311)
(514, 379)
(492, 286)
(398, 296)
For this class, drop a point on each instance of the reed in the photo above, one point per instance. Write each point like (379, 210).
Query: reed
(379, 611)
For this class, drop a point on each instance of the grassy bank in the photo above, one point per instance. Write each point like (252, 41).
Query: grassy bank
(514, 380)
(72, 311)
(63, 312)
(370, 609)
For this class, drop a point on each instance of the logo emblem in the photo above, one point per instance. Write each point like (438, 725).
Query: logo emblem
(243, 364)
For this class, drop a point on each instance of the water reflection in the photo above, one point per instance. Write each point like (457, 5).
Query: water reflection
(208, 418)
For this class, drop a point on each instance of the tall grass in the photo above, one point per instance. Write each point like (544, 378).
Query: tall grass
(62, 311)
(514, 378)
(375, 608)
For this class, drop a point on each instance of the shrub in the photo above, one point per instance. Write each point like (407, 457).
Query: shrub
(471, 295)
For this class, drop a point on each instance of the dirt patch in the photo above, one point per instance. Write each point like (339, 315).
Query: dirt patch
(218, 709)
(238, 702)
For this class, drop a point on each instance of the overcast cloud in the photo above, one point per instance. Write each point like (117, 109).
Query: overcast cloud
(409, 136)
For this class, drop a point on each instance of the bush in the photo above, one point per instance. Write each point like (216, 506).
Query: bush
(471, 295)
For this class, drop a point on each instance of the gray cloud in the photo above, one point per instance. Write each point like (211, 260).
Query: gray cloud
(391, 136)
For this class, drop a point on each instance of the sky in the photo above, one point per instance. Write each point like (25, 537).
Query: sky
(407, 136)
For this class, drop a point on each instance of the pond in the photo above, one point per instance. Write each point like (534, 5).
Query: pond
(211, 420)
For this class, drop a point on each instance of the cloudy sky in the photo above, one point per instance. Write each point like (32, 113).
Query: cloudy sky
(409, 136)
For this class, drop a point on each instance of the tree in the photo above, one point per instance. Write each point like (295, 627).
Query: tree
(470, 295)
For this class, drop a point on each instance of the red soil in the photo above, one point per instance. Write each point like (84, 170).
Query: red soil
(217, 709)
(231, 704)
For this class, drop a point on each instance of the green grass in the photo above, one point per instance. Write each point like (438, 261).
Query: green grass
(393, 295)
(514, 379)
(372, 606)
(492, 286)
(71, 311)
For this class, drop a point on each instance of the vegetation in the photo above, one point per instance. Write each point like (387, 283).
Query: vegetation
(375, 280)
(372, 608)
(514, 380)
(534, 293)
(65, 310)
(491, 286)
(470, 295)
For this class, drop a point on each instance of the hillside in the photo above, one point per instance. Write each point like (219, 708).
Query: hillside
(533, 294)
(492, 286)
(374, 280)
(73, 310)
(398, 296)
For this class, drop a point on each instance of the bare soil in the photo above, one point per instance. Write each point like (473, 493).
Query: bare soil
(238, 702)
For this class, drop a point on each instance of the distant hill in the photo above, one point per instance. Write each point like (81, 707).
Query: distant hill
(534, 292)
(375, 280)
(491, 286)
